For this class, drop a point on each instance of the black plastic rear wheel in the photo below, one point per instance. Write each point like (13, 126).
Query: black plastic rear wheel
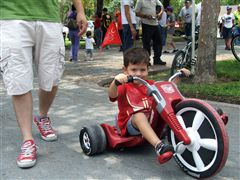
(92, 140)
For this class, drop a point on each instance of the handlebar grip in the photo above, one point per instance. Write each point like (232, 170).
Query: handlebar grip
(117, 83)
(129, 80)
(182, 74)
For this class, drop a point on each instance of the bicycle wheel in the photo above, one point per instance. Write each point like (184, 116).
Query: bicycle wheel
(179, 62)
(208, 151)
(235, 47)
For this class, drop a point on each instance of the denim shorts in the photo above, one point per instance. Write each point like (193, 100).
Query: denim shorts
(131, 129)
(227, 33)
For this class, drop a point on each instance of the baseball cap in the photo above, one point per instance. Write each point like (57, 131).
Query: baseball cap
(228, 7)
(187, 1)
(169, 8)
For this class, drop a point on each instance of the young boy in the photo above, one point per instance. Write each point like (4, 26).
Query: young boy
(89, 45)
(134, 104)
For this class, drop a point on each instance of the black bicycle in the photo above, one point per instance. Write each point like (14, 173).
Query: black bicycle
(183, 58)
(235, 44)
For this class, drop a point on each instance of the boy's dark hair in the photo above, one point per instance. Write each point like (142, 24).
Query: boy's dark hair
(136, 55)
(88, 33)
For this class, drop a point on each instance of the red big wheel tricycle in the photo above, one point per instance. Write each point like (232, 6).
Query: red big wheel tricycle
(195, 129)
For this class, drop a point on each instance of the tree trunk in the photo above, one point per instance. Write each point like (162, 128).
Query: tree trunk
(207, 43)
(99, 6)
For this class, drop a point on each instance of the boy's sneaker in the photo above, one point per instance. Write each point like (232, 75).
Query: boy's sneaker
(45, 128)
(27, 157)
(164, 152)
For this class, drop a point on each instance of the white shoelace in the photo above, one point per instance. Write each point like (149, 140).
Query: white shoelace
(28, 151)
(46, 126)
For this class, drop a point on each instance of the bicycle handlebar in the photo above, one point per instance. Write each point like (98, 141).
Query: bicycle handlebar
(135, 78)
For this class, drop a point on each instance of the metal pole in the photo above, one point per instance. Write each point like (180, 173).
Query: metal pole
(193, 34)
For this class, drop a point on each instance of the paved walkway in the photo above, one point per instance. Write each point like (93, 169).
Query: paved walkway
(81, 102)
(108, 63)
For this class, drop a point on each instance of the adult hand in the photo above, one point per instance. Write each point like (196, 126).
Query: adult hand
(82, 23)
(134, 33)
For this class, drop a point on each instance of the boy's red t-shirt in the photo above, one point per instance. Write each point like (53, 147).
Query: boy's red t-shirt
(131, 99)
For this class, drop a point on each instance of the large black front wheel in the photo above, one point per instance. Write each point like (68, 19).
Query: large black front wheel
(179, 62)
(235, 47)
(208, 151)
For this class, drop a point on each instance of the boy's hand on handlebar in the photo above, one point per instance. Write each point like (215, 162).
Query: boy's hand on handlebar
(185, 72)
(121, 79)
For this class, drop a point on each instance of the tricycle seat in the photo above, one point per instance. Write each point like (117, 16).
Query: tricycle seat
(115, 140)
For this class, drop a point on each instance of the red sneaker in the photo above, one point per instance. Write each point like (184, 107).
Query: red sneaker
(27, 157)
(45, 128)
(164, 152)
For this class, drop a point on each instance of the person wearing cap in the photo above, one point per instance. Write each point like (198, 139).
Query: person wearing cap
(150, 13)
(171, 19)
(185, 16)
(228, 22)
(237, 19)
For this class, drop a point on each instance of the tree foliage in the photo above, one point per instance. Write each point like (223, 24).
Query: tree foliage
(93, 6)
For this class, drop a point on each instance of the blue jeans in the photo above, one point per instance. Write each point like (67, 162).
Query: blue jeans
(127, 37)
(188, 29)
(163, 34)
(75, 41)
(98, 37)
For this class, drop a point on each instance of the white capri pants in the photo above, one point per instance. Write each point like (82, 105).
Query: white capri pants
(23, 43)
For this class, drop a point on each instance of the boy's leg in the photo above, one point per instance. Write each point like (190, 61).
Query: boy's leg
(140, 122)
(164, 152)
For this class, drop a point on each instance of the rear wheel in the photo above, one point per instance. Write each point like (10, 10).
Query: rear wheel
(235, 47)
(92, 140)
(208, 151)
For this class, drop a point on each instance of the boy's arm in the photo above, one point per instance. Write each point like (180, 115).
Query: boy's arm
(113, 90)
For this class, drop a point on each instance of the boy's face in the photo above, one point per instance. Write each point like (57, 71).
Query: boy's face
(140, 70)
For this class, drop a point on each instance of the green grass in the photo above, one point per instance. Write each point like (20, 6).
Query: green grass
(229, 70)
(226, 89)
